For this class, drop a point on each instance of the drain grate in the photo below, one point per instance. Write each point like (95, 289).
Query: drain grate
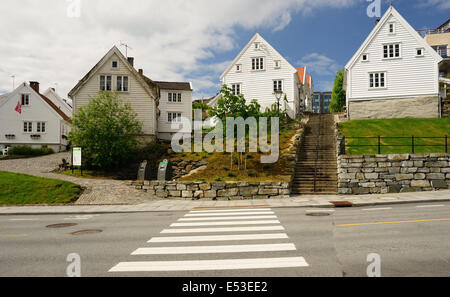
(86, 232)
(342, 203)
(65, 225)
(318, 214)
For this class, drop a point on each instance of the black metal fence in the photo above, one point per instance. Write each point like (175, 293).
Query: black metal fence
(412, 142)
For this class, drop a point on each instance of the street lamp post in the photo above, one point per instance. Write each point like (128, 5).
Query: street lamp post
(278, 95)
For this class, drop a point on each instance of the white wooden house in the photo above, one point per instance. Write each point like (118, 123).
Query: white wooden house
(394, 74)
(259, 72)
(149, 99)
(61, 103)
(27, 117)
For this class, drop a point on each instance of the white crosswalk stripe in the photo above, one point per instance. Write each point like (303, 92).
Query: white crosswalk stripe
(252, 225)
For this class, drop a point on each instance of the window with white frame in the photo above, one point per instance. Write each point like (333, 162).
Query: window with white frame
(391, 51)
(174, 117)
(238, 68)
(257, 45)
(391, 28)
(40, 127)
(105, 82)
(25, 99)
(115, 64)
(277, 64)
(365, 57)
(377, 80)
(174, 97)
(27, 127)
(277, 86)
(419, 52)
(236, 89)
(122, 84)
(257, 63)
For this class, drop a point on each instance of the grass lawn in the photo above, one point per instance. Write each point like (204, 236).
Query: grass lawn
(21, 189)
(396, 128)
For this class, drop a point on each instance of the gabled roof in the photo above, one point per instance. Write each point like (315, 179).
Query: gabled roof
(309, 80)
(392, 11)
(59, 111)
(56, 95)
(146, 82)
(181, 86)
(246, 48)
(302, 74)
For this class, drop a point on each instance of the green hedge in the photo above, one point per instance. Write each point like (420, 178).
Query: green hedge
(29, 151)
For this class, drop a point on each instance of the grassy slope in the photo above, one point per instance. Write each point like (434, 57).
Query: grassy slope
(219, 167)
(396, 128)
(20, 189)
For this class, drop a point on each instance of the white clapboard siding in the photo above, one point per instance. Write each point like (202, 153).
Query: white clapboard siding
(185, 108)
(259, 84)
(408, 76)
(137, 96)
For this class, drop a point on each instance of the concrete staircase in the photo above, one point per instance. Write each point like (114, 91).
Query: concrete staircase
(316, 169)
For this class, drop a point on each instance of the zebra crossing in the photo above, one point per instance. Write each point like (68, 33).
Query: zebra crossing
(202, 233)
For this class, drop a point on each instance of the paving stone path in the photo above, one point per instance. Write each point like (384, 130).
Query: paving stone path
(98, 191)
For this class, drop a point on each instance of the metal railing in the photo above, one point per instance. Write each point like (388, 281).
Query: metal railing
(413, 142)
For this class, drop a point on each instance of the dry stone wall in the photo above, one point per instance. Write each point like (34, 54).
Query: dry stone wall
(381, 174)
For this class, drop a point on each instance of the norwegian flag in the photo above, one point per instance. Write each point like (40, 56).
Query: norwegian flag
(19, 107)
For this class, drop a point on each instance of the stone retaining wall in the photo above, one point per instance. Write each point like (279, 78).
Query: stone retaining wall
(381, 174)
(215, 190)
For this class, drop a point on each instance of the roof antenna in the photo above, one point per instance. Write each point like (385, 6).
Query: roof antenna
(126, 48)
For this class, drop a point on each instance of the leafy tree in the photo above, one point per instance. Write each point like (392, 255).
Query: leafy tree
(234, 106)
(107, 130)
(338, 97)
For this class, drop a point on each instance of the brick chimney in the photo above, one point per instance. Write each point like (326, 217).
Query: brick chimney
(141, 71)
(131, 61)
(35, 86)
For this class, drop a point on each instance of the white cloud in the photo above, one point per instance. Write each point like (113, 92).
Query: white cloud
(442, 4)
(319, 64)
(171, 40)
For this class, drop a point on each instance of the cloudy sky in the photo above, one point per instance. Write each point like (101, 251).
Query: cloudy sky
(185, 40)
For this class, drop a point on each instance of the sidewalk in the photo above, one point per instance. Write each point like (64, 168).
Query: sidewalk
(187, 205)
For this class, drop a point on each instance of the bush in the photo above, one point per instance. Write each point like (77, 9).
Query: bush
(252, 173)
(29, 151)
(107, 130)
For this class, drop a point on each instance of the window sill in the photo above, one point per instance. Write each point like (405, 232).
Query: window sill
(263, 70)
(377, 89)
(389, 59)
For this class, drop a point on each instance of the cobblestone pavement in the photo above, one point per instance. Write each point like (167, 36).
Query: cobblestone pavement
(98, 191)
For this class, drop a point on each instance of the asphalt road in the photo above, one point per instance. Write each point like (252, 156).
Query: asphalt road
(411, 240)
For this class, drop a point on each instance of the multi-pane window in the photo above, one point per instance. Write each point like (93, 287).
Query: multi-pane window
(278, 86)
(277, 64)
(25, 99)
(391, 28)
(27, 127)
(40, 127)
(239, 68)
(122, 83)
(377, 80)
(174, 117)
(105, 82)
(114, 64)
(257, 63)
(236, 89)
(174, 97)
(391, 50)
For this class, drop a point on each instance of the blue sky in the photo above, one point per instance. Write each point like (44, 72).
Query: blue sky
(186, 40)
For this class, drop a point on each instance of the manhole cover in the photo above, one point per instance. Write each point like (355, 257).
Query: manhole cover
(318, 214)
(65, 225)
(86, 232)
